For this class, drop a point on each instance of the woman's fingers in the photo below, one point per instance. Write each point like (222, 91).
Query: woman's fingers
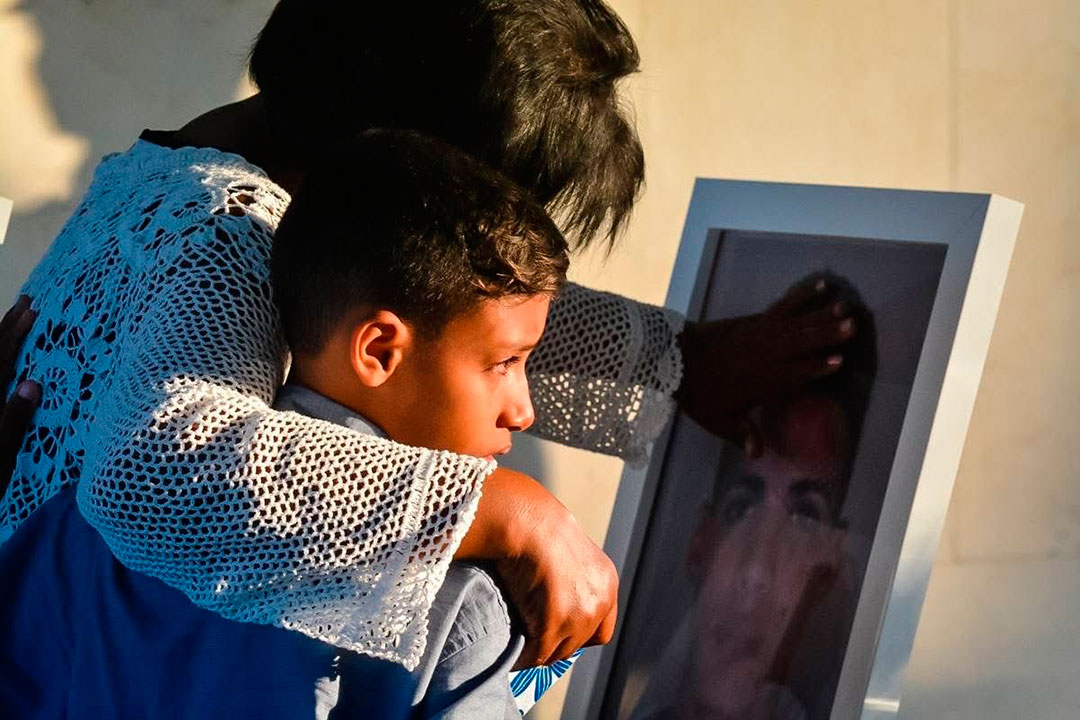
(14, 328)
(14, 419)
(606, 631)
(786, 378)
(14, 312)
(16, 412)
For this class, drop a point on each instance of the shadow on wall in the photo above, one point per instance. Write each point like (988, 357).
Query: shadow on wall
(88, 77)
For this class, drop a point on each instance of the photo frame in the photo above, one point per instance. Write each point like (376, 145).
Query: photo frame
(932, 266)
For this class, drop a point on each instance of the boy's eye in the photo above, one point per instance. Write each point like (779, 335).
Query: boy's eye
(504, 366)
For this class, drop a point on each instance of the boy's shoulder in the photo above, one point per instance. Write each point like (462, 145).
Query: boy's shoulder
(292, 397)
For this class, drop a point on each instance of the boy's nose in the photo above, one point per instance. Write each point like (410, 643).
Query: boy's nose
(519, 414)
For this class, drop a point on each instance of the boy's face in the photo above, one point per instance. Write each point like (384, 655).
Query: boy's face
(466, 389)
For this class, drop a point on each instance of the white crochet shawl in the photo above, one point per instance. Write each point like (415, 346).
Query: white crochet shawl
(159, 350)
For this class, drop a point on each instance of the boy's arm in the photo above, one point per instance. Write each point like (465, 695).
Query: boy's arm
(465, 674)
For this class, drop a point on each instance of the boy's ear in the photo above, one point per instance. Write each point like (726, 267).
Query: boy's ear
(377, 347)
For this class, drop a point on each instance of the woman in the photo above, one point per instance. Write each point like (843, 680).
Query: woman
(159, 350)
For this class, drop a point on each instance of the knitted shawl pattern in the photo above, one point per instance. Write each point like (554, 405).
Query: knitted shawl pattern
(159, 350)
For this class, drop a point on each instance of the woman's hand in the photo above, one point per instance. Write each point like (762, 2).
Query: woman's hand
(16, 412)
(564, 587)
(731, 366)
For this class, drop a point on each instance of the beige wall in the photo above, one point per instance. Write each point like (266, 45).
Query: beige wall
(81, 79)
(978, 95)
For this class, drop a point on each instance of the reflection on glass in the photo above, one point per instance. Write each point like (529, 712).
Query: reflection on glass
(751, 566)
(769, 557)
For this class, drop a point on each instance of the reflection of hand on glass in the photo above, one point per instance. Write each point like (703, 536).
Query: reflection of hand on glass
(733, 365)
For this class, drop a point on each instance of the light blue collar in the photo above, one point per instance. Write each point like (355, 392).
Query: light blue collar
(306, 401)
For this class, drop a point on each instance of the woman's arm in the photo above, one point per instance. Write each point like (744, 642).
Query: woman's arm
(605, 372)
(278, 518)
(260, 515)
(564, 588)
(609, 370)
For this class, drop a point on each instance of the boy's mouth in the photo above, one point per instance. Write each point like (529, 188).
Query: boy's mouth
(499, 452)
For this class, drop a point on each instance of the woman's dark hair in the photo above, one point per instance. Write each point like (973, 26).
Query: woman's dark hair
(527, 86)
(398, 221)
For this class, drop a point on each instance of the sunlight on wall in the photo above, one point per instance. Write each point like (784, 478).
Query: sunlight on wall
(40, 162)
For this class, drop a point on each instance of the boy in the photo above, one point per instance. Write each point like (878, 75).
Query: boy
(413, 321)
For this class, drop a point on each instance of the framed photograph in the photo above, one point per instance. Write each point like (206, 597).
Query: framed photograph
(788, 586)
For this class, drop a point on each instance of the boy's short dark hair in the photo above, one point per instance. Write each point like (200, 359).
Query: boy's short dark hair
(527, 86)
(399, 221)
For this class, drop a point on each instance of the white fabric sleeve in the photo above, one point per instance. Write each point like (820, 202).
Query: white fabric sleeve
(603, 375)
(259, 515)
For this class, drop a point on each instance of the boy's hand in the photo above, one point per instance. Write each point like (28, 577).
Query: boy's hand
(564, 587)
(733, 365)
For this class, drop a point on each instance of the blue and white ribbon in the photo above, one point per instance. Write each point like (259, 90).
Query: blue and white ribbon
(530, 684)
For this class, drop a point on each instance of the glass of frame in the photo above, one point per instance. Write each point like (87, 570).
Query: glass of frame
(788, 586)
